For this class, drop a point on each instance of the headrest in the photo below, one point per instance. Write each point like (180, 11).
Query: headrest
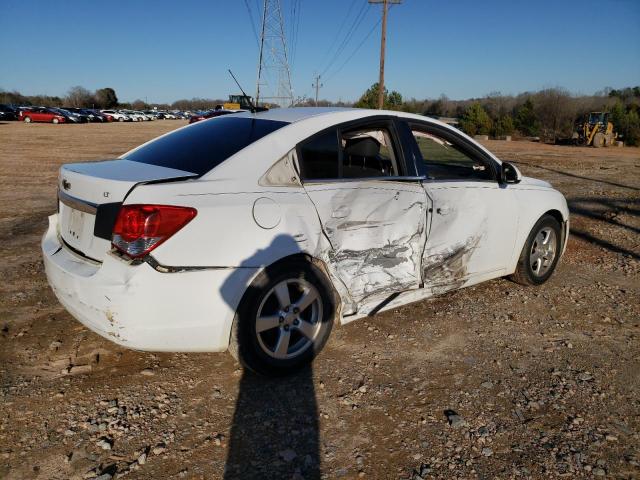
(362, 147)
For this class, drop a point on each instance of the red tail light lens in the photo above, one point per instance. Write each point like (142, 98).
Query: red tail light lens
(141, 228)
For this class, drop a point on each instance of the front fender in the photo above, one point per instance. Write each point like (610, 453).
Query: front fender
(533, 203)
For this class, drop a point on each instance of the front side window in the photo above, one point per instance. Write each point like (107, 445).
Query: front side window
(204, 145)
(444, 160)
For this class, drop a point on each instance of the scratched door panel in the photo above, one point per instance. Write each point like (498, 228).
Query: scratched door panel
(471, 232)
(377, 234)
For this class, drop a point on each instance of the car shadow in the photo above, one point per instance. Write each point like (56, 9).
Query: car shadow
(275, 429)
(605, 211)
(573, 175)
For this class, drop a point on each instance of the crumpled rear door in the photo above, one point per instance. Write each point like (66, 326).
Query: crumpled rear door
(377, 233)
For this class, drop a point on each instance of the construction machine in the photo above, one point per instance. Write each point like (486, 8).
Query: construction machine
(596, 130)
(237, 102)
(242, 102)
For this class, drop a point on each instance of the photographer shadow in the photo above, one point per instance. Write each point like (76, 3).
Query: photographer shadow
(275, 429)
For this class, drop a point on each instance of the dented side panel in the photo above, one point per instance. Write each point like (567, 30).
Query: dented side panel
(376, 232)
(472, 232)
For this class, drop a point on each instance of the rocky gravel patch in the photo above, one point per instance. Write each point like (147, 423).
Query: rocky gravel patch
(493, 381)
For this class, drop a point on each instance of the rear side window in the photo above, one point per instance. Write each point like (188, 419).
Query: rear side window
(319, 157)
(204, 145)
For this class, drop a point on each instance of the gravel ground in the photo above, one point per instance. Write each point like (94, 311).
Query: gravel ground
(493, 381)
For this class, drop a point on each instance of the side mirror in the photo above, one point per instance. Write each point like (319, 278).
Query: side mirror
(510, 173)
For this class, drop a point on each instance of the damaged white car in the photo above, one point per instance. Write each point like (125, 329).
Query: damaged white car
(256, 232)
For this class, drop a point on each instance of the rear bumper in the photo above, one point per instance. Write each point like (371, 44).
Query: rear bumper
(141, 308)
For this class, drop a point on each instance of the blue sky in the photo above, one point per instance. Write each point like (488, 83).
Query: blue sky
(163, 50)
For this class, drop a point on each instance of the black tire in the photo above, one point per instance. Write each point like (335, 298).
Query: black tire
(599, 140)
(525, 274)
(250, 347)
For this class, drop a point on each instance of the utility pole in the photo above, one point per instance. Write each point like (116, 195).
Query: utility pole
(383, 44)
(317, 86)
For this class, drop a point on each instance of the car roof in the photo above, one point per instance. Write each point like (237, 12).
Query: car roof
(294, 114)
(298, 114)
(302, 123)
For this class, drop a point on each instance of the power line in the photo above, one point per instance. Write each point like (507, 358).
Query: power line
(296, 6)
(337, 35)
(252, 21)
(354, 27)
(366, 37)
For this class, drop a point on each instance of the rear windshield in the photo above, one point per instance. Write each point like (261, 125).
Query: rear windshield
(204, 145)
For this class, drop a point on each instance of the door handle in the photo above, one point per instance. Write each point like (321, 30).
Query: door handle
(341, 212)
(443, 210)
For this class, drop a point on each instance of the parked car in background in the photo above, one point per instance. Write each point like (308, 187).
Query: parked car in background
(101, 116)
(116, 115)
(42, 114)
(211, 114)
(93, 117)
(7, 112)
(256, 232)
(76, 114)
(145, 116)
(134, 116)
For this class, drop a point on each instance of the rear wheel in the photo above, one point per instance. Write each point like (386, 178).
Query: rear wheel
(540, 253)
(27, 119)
(284, 319)
(609, 139)
(55, 120)
(121, 119)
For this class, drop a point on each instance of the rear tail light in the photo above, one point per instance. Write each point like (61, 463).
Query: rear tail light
(141, 228)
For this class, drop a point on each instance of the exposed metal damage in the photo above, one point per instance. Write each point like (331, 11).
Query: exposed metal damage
(447, 270)
(376, 236)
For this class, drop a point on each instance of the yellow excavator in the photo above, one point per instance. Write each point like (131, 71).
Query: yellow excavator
(595, 131)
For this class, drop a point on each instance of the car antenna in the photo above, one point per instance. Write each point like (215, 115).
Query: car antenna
(247, 97)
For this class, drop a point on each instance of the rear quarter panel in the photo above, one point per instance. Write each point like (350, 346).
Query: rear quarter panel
(235, 228)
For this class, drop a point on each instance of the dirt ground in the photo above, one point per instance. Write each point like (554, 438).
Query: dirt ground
(493, 381)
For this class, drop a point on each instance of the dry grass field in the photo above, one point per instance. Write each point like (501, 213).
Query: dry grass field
(544, 382)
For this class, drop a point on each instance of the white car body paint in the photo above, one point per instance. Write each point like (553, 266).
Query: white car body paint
(116, 115)
(383, 242)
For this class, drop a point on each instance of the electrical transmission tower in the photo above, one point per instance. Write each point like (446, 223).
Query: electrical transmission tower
(274, 76)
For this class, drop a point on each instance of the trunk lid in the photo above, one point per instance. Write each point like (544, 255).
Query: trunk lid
(90, 195)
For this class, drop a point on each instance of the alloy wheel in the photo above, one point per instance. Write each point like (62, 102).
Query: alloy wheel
(543, 251)
(289, 319)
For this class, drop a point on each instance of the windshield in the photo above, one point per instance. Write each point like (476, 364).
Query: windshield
(596, 118)
(204, 145)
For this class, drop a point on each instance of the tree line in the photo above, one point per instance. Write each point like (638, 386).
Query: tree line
(102, 98)
(550, 114)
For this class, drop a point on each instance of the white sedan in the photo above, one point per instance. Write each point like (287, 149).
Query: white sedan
(117, 116)
(256, 232)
